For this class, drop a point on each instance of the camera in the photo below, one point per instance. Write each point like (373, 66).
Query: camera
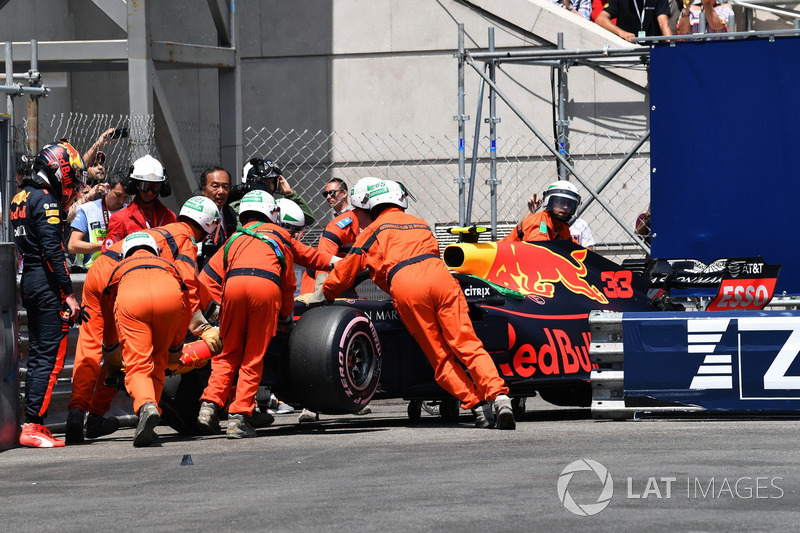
(119, 132)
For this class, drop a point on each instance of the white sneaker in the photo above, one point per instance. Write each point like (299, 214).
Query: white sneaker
(504, 412)
(484, 415)
(277, 407)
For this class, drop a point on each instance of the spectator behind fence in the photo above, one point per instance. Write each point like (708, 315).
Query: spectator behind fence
(215, 184)
(636, 18)
(643, 225)
(579, 7)
(146, 181)
(719, 17)
(90, 224)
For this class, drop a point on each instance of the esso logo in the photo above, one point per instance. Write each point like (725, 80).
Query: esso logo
(737, 296)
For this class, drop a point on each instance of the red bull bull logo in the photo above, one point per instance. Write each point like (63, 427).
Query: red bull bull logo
(531, 269)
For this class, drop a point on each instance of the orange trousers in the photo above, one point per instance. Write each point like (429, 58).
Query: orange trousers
(432, 307)
(248, 321)
(151, 316)
(89, 392)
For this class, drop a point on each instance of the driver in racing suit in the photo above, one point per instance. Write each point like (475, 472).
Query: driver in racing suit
(37, 216)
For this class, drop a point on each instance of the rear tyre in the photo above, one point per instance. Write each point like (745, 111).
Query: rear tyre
(449, 410)
(180, 400)
(334, 360)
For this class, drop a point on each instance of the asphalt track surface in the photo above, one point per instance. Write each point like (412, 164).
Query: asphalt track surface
(381, 472)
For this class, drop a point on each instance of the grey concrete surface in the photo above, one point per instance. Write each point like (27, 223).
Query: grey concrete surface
(381, 472)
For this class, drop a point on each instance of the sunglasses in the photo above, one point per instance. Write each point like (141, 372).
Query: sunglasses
(325, 194)
(149, 186)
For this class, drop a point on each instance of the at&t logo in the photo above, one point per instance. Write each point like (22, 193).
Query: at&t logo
(606, 492)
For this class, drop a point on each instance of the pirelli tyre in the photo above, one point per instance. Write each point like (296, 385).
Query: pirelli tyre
(334, 360)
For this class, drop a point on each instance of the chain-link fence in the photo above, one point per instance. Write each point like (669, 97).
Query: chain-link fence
(82, 130)
(429, 168)
(427, 165)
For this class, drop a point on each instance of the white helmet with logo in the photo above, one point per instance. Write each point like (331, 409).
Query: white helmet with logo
(203, 211)
(147, 168)
(565, 194)
(291, 216)
(262, 202)
(359, 193)
(136, 240)
(388, 192)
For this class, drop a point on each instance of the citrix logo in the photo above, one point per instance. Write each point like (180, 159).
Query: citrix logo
(477, 291)
(587, 509)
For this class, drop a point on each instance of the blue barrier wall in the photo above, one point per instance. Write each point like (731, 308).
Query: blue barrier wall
(725, 124)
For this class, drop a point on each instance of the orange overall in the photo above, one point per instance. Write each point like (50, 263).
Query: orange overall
(539, 226)
(150, 317)
(256, 288)
(403, 259)
(337, 238)
(88, 391)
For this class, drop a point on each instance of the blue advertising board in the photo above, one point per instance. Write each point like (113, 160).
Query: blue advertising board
(731, 361)
(724, 155)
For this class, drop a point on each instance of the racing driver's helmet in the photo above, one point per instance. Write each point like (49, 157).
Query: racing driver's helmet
(291, 217)
(359, 194)
(564, 195)
(139, 240)
(259, 201)
(59, 167)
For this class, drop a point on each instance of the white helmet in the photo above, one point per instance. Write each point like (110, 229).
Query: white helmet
(388, 192)
(564, 194)
(262, 202)
(203, 211)
(359, 194)
(291, 216)
(147, 168)
(136, 240)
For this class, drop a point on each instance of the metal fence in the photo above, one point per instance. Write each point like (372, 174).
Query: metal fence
(427, 165)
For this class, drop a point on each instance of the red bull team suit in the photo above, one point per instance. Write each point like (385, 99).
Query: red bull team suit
(402, 256)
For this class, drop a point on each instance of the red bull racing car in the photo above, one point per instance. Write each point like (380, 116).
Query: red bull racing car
(529, 304)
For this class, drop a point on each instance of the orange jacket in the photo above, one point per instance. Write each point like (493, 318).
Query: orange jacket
(337, 238)
(139, 259)
(132, 218)
(249, 253)
(392, 241)
(539, 226)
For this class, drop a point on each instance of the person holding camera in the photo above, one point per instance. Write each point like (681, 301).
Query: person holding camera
(265, 175)
(147, 180)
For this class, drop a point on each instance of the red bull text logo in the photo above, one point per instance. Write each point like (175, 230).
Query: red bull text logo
(557, 356)
(531, 269)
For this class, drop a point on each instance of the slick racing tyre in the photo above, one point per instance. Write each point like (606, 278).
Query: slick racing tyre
(334, 360)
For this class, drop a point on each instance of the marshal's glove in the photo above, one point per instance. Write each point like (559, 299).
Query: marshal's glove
(211, 337)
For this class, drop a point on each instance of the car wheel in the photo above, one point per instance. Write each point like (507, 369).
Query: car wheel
(518, 406)
(449, 410)
(180, 400)
(334, 360)
(415, 410)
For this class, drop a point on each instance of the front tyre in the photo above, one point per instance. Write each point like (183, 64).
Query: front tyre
(334, 360)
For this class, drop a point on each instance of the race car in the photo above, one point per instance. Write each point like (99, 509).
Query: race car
(529, 304)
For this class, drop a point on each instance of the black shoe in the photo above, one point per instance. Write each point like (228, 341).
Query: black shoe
(259, 419)
(99, 426)
(149, 418)
(74, 433)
